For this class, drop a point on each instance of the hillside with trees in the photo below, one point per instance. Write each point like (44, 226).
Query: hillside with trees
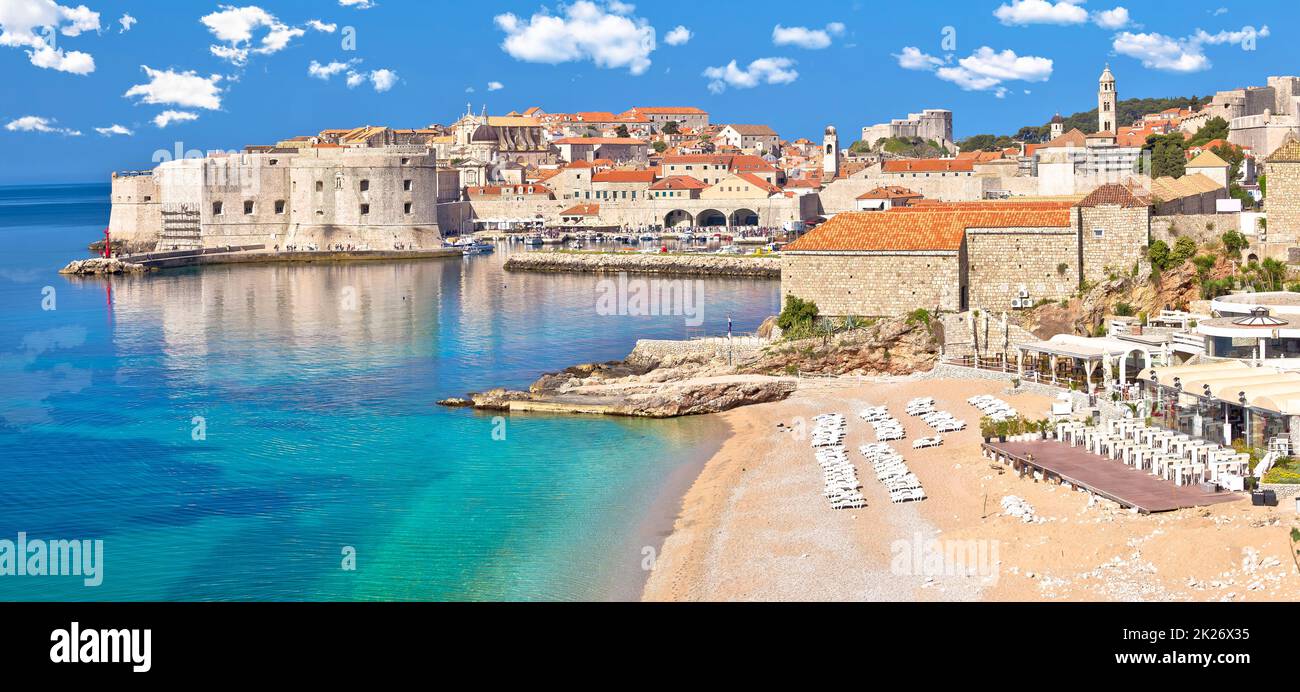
(1086, 121)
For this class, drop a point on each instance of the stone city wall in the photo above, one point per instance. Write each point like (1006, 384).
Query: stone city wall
(1004, 261)
(874, 284)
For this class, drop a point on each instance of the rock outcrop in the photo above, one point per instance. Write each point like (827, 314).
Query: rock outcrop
(766, 267)
(97, 266)
(892, 346)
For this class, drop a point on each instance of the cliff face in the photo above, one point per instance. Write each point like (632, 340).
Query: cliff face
(1174, 288)
(893, 346)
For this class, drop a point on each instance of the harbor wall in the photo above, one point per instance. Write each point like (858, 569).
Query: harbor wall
(636, 263)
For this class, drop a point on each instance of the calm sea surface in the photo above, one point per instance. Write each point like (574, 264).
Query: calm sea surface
(311, 390)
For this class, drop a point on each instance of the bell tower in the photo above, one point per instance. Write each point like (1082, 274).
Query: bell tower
(1107, 103)
(831, 153)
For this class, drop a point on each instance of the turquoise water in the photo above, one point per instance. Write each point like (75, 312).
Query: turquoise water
(314, 386)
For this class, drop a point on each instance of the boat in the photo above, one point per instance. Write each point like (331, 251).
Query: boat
(533, 240)
(647, 237)
(471, 246)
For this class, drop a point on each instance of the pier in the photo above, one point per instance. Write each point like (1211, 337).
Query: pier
(640, 263)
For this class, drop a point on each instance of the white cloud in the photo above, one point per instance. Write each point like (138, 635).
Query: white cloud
(236, 26)
(1221, 10)
(357, 4)
(33, 123)
(1111, 19)
(382, 79)
(324, 72)
(1023, 12)
(761, 71)
(166, 118)
(73, 61)
(678, 36)
(803, 37)
(127, 21)
(469, 90)
(982, 70)
(1161, 52)
(605, 34)
(911, 58)
(184, 89)
(114, 129)
(30, 24)
(322, 27)
(987, 68)
(495, 86)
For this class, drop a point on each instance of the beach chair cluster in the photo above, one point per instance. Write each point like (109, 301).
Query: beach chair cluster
(887, 427)
(993, 407)
(939, 421)
(892, 472)
(842, 487)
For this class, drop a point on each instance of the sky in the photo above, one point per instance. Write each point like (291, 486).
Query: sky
(118, 85)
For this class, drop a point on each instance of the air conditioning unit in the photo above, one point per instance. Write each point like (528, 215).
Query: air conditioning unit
(1024, 293)
(1016, 304)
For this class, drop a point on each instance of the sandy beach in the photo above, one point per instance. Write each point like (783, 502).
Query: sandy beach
(755, 526)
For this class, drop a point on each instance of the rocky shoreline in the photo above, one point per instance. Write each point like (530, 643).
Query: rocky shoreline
(641, 385)
(636, 263)
(100, 266)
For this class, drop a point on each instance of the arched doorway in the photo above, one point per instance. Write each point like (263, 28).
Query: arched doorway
(744, 217)
(711, 217)
(678, 217)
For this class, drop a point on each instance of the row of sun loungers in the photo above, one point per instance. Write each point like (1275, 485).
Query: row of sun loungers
(887, 427)
(842, 487)
(993, 407)
(940, 421)
(892, 472)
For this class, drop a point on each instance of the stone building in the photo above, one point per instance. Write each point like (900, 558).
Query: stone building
(930, 124)
(751, 139)
(1283, 201)
(324, 195)
(957, 256)
(690, 117)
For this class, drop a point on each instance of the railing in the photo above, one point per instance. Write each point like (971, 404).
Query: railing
(1189, 342)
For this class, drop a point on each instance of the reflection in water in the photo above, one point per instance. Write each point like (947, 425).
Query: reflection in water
(315, 387)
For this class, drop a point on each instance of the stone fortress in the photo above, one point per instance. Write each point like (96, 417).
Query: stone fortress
(933, 124)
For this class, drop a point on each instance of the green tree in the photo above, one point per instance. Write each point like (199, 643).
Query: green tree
(1214, 128)
(660, 147)
(670, 128)
(621, 131)
(1183, 250)
(1158, 255)
(1234, 243)
(798, 317)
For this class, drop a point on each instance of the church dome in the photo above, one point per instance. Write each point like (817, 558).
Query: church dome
(1057, 119)
(830, 129)
(1106, 75)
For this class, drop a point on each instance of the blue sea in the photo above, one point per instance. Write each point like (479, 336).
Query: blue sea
(245, 433)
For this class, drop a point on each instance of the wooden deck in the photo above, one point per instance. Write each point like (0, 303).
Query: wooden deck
(1108, 478)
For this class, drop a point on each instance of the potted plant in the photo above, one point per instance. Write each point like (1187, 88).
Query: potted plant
(1001, 429)
(987, 429)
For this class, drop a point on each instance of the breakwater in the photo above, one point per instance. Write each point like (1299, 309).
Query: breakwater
(636, 263)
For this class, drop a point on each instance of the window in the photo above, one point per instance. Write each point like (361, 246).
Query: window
(216, 208)
(248, 207)
(279, 206)
(406, 208)
(274, 161)
(1098, 232)
(365, 185)
(406, 185)
(365, 209)
(320, 186)
(148, 198)
(405, 161)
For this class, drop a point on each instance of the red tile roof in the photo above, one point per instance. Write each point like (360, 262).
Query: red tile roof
(758, 182)
(582, 210)
(889, 192)
(678, 182)
(933, 230)
(669, 111)
(1114, 194)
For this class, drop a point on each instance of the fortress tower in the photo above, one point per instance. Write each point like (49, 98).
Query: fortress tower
(1107, 103)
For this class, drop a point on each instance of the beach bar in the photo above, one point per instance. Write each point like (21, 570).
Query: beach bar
(1225, 401)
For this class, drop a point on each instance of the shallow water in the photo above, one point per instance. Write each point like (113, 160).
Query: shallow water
(230, 432)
